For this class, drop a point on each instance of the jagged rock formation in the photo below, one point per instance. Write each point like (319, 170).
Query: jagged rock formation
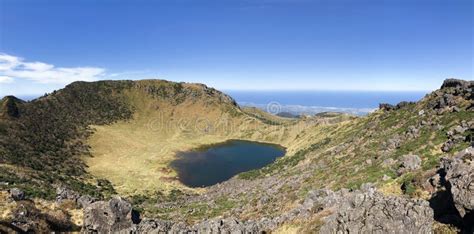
(460, 176)
(359, 212)
(455, 184)
(28, 218)
(108, 217)
(452, 91)
(350, 212)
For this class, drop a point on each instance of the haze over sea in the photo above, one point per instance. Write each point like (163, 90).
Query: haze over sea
(312, 102)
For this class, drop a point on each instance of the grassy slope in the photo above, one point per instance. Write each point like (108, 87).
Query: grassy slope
(340, 155)
(352, 153)
(42, 143)
(325, 151)
(135, 154)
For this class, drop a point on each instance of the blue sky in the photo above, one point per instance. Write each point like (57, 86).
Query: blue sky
(237, 44)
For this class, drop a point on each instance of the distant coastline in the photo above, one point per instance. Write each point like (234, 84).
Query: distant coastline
(313, 102)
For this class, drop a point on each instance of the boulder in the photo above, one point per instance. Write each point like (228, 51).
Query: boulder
(459, 129)
(317, 200)
(447, 146)
(388, 162)
(455, 136)
(409, 163)
(412, 132)
(393, 143)
(229, 225)
(113, 216)
(85, 200)
(152, 226)
(17, 194)
(63, 193)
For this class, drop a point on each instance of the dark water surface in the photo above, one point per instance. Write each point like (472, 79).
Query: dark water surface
(216, 163)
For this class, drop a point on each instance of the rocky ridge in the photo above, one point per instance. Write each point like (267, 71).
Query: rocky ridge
(359, 211)
(409, 139)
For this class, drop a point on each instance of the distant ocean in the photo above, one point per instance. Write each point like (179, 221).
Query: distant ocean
(312, 102)
(28, 97)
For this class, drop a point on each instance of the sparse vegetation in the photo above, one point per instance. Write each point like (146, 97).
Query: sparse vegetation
(105, 138)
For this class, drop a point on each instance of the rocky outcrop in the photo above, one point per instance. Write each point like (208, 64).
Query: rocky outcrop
(216, 225)
(451, 93)
(457, 84)
(364, 213)
(27, 218)
(457, 134)
(386, 107)
(65, 194)
(360, 211)
(368, 211)
(343, 211)
(229, 225)
(460, 180)
(113, 216)
(453, 202)
(390, 107)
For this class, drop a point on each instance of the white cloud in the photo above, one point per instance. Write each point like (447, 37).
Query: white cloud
(8, 62)
(37, 66)
(6, 79)
(15, 67)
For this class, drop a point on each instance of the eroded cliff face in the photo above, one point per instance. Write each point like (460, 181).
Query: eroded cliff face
(335, 169)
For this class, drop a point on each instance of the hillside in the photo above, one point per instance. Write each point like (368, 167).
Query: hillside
(144, 145)
(109, 137)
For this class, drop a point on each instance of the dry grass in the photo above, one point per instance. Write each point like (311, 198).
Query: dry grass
(391, 188)
(135, 155)
(287, 229)
(6, 205)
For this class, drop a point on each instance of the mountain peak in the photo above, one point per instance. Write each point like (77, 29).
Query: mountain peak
(9, 107)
